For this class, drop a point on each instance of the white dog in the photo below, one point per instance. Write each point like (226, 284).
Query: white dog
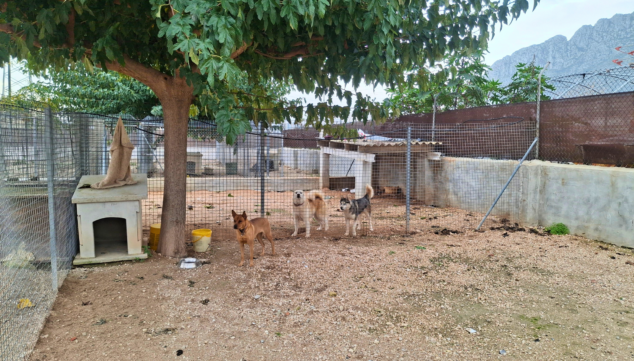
(305, 207)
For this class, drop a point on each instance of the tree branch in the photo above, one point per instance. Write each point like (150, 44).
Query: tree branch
(240, 50)
(151, 77)
(70, 28)
(303, 52)
(314, 38)
(8, 28)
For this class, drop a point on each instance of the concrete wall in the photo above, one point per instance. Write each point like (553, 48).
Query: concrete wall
(308, 160)
(302, 159)
(343, 167)
(596, 202)
(245, 157)
(473, 184)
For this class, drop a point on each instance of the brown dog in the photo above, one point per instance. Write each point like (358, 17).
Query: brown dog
(247, 231)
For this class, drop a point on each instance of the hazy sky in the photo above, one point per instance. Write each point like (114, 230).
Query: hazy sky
(550, 18)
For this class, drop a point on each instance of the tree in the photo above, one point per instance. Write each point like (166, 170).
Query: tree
(188, 49)
(460, 82)
(523, 85)
(100, 92)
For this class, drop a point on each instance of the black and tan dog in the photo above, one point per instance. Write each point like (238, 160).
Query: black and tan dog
(352, 209)
(247, 231)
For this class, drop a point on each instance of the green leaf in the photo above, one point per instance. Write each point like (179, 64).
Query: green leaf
(78, 8)
(193, 56)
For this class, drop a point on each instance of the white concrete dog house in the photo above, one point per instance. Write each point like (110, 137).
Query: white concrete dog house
(109, 221)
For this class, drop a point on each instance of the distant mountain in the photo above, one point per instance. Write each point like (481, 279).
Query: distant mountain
(591, 48)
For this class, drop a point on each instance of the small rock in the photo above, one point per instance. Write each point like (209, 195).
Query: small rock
(502, 352)
(257, 297)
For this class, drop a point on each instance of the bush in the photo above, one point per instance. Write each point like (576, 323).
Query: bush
(558, 229)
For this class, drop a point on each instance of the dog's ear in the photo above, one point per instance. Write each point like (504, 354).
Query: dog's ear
(244, 214)
(233, 213)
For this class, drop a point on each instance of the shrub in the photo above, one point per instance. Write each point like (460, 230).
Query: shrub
(558, 229)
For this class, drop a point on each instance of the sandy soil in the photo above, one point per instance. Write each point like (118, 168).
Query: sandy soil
(378, 297)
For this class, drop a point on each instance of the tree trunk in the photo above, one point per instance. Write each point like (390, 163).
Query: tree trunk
(176, 102)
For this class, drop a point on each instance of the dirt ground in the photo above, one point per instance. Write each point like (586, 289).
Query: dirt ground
(383, 296)
(209, 209)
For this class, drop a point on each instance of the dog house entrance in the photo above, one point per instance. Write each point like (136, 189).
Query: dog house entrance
(110, 236)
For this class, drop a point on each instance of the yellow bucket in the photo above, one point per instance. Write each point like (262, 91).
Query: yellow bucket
(155, 232)
(201, 238)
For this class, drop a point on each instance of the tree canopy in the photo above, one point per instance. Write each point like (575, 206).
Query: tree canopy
(463, 82)
(217, 44)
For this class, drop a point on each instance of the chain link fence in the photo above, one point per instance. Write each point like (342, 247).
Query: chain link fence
(38, 236)
(455, 167)
(425, 178)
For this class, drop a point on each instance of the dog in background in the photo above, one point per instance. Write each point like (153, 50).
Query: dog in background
(309, 205)
(354, 208)
(247, 231)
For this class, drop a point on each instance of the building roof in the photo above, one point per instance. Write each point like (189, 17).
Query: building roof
(379, 143)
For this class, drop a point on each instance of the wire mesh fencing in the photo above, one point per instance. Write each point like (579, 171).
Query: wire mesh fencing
(455, 173)
(38, 237)
(589, 130)
(424, 178)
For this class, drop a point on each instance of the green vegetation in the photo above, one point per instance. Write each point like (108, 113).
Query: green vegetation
(558, 229)
(462, 82)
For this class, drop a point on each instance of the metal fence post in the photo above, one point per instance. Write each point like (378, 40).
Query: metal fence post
(104, 151)
(408, 176)
(83, 144)
(433, 121)
(268, 155)
(261, 163)
(539, 95)
(36, 153)
(50, 178)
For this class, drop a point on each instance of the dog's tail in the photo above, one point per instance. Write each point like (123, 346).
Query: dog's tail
(314, 195)
(369, 191)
